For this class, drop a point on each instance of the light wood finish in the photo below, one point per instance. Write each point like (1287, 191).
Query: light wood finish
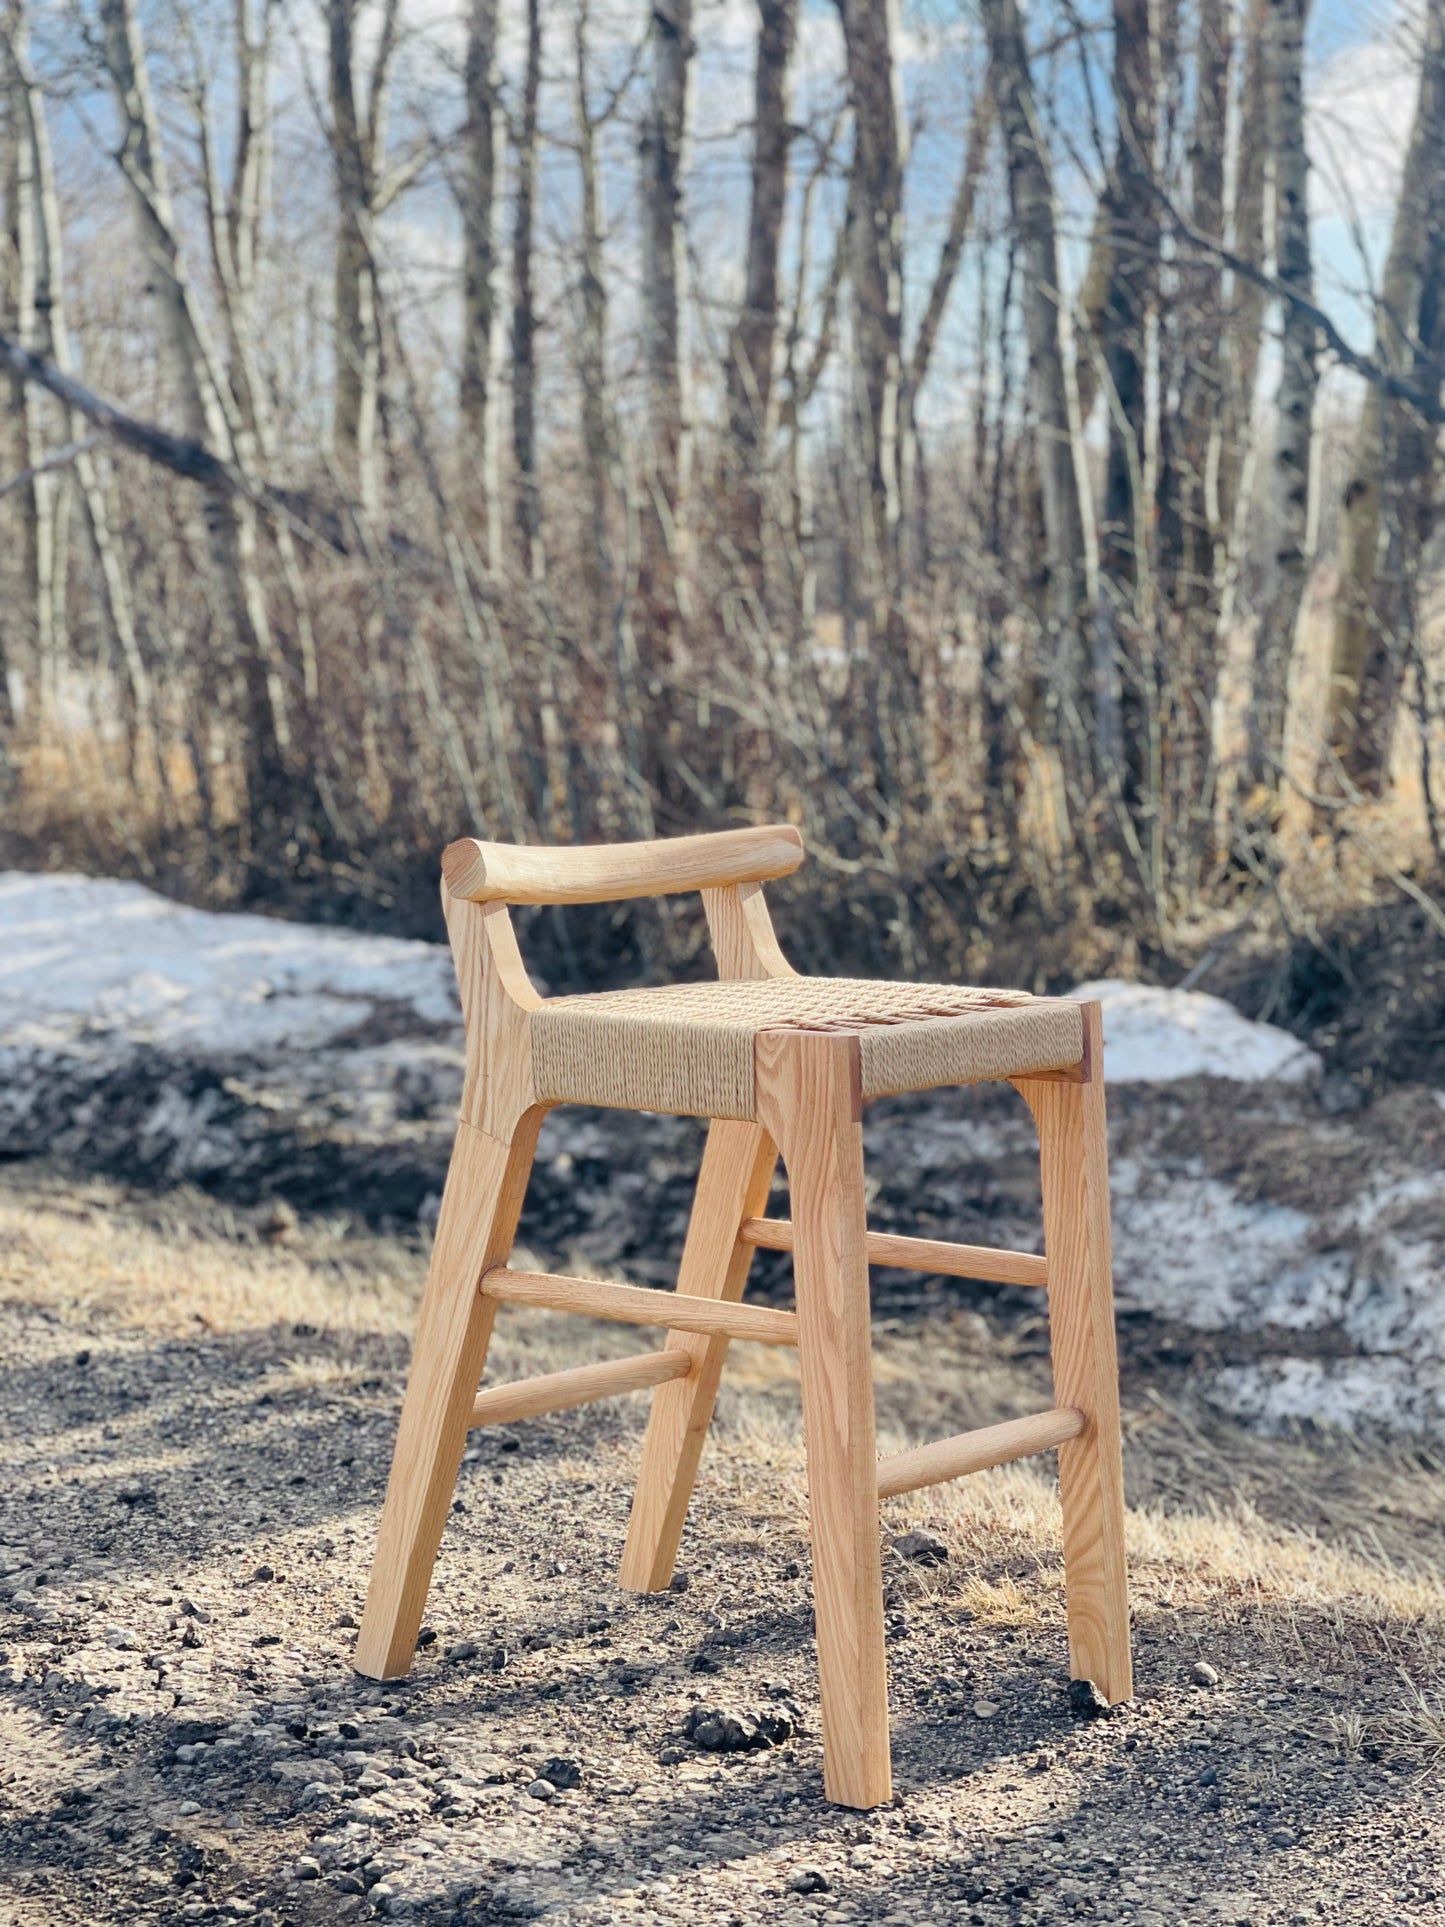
(477, 1223)
(737, 1173)
(635, 1305)
(609, 872)
(800, 1086)
(1073, 1154)
(965, 1452)
(737, 1169)
(919, 1254)
(810, 1100)
(559, 1391)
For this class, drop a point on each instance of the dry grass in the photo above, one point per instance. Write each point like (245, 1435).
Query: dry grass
(1199, 1541)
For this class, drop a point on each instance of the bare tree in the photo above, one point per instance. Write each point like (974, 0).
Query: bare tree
(1391, 475)
(477, 195)
(230, 527)
(524, 310)
(1031, 197)
(663, 583)
(753, 340)
(1298, 381)
(875, 273)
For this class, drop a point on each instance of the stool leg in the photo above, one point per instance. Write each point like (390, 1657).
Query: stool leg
(809, 1099)
(480, 1205)
(737, 1171)
(1074, 1163)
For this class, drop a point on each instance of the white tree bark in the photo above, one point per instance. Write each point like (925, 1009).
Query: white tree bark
(478, 192)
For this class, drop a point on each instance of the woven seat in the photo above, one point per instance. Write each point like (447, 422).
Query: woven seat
(782, 1066)
(689, 1048)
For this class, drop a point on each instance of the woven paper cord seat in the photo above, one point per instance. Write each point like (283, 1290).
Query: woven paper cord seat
(782, 1066)
(688, 1048)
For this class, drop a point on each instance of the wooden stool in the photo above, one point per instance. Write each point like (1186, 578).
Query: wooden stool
(779, 1063)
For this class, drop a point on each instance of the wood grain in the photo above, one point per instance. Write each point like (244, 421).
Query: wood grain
(919, 1254)
(609, 872)
(965, 1452)
(558, 1391)
(1074, 1164)
(810, 1100)
(478, 1220)
(737, 1172)
(635, 1305)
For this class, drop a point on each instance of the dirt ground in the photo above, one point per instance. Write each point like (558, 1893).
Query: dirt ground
(199, 1404)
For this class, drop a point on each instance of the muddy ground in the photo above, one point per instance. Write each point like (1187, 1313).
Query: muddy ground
(199, 1406)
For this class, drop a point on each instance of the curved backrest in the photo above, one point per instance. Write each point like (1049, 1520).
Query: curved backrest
(607, 872)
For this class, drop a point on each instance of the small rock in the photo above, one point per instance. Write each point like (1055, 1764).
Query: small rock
(301, 1773)
(1209, 1777)
(809, 1880)
(316, 1793)
(264, 1573)
(1086, 1702)
(1284, 1838)
(346, 1623)
(308, 1867)
(564, 1774)
(985, 1709)
(921, 1548)
(464, 1649)
(121, 1639)
(672, 1756)
(1203, 1674)
(680, 1582)
(541, 1790)
(427, 1636)
(348, 1883)
(188, 1807)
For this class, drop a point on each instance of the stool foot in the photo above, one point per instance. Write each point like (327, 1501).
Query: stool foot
(478, 1220)
(809, 1098)
(1074, 1164)
(737, 1171)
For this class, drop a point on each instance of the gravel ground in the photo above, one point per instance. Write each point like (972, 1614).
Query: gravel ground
(199, 1410)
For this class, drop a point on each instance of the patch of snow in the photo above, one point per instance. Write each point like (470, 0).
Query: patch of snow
(1276, 1394)
(87, 957)
(1152, 1036)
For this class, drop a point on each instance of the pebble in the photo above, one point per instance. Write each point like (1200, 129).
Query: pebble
(563, 1773)
(308, 1867)
(1203, 1674)
(121, 1639)
(985, 1709)
(541, 1790)
(921, 1548)
(809, 1880)
(464, 1649)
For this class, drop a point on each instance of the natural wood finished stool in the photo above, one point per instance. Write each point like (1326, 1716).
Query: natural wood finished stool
(779, 1063)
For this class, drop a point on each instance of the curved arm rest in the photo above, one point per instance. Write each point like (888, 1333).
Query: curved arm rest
(607, 872)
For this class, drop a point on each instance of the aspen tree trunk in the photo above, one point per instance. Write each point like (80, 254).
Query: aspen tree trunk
(230, 527)
(876, 281)
(35, 497)
(752, 343)
(524, 313)
(479, 267)
(960, 220)
(358, 326)
(1244, 321)
(1031, 199)
(54, 342)
(1191, 527)
(662, 578)
(1388, 489)
(609, 599)
(1298, 381)
(1133, 244)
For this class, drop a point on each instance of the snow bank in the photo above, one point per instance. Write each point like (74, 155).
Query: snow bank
(262, 1058)
(1152, 1036)
(84, 958)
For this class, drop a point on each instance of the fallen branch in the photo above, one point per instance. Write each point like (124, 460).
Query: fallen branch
(181, 454)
